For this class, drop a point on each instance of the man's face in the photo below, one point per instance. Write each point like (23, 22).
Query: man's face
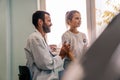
(47, 24)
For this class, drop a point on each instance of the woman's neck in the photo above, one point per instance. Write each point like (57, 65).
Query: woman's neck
(74, 30)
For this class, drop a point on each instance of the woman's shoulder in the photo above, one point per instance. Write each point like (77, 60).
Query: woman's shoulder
(66, 35)
(67, 32)
(81, 33)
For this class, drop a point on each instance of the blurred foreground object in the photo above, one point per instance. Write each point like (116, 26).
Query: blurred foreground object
(98, 62)
(73, 72)
(102, 60)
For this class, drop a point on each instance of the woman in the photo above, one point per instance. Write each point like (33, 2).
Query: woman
(76, 39)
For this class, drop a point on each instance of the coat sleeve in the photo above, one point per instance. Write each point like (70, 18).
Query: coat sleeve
(42, 57)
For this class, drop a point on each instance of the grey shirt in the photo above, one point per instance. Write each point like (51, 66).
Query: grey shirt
(78, 42)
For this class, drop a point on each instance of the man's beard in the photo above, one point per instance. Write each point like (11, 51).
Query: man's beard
(46, 28)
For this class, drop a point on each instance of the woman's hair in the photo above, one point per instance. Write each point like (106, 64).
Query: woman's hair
(69, 15)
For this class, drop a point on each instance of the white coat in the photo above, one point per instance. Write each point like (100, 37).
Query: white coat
(42, 64)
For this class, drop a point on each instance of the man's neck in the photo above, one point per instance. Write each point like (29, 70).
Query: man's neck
(41, 31)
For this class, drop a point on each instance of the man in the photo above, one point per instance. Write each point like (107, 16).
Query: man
(42, 64)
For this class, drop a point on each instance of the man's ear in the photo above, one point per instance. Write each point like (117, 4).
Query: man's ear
(40, 22)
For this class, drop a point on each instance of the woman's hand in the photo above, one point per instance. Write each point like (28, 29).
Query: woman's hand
(53, 47)
(64, 50)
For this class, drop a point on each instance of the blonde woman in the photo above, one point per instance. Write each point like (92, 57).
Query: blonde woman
(77, 40)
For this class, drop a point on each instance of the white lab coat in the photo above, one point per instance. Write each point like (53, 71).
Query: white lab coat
(42, 64)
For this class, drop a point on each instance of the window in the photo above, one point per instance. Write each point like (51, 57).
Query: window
(58, 9)
(105, 11)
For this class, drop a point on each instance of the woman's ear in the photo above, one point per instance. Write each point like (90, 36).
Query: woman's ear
(68, 22)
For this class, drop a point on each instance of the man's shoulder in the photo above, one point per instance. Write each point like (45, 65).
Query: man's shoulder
(34, 35)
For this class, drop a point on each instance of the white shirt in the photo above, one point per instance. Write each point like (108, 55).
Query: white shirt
(78, 42)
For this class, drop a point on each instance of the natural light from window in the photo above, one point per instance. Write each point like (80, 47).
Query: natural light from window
(105, 11)
(57, 10)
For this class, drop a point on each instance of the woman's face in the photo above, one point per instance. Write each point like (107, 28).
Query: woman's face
(76, 20)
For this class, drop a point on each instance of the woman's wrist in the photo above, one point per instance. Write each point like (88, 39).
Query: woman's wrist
(62, 53)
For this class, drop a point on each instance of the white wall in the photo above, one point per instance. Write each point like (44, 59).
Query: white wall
(15, 26)
(2, 40)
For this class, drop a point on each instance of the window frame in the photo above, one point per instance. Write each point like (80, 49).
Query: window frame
(91, 19)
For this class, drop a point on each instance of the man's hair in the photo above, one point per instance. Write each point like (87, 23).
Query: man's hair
(38, 15)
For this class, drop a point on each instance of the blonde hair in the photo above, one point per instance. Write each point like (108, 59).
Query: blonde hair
(69, 15)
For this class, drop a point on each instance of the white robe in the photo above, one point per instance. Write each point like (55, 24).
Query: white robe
(42, 64)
